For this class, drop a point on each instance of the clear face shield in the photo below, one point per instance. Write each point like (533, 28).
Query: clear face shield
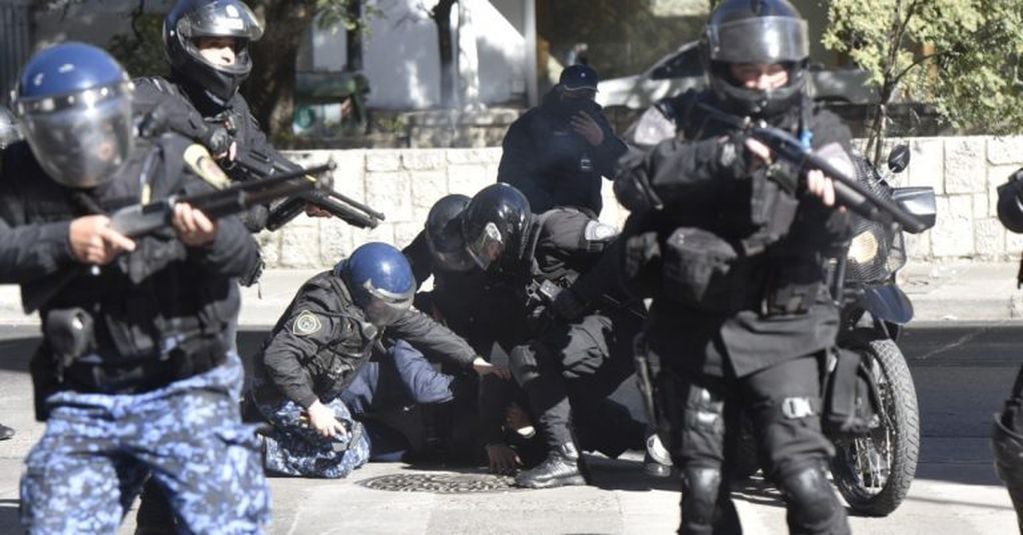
(383, 308)
(81, 140)
(487, 248)
(448, 249)
(761, 40)
(223, 18)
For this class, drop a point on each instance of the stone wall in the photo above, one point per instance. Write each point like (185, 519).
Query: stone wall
(404, 183)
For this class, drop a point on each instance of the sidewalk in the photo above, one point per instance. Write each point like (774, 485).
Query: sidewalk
(940, 292)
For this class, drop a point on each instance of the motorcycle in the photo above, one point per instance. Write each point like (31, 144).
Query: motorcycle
(872, 470)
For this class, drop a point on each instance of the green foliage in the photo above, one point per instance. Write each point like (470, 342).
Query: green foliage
(963, 56)
(331, 12)
(141, 52)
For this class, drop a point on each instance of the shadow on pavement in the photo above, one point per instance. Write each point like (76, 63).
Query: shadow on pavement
(9, 518)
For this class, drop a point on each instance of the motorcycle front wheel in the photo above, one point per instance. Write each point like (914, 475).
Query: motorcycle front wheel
(873, 471)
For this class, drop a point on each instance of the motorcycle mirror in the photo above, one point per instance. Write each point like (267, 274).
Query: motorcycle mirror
(898, 159)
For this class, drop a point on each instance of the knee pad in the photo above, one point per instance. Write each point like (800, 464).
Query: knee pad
(700, 489)
(812, 503)
(524, 365)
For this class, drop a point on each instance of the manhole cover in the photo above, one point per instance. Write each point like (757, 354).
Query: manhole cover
(441, 483)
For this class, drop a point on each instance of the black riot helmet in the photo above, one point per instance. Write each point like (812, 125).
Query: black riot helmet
(764, 32)
(194, 19)
(9, 132)
(444, 233)
(495, 224)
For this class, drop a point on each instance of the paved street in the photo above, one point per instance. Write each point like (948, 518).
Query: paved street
(961, 371)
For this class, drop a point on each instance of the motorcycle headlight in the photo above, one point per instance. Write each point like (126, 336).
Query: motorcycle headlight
(864, 248)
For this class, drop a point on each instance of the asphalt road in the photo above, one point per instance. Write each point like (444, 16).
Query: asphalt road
(962, 373)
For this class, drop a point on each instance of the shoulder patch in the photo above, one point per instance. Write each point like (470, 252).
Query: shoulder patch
(306, 324)
(597, 231)
(199, 160)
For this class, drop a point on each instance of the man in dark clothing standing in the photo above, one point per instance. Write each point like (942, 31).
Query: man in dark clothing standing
(732, 244)
(557, 153)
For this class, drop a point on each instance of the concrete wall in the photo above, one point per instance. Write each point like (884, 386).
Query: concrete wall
(964, 172)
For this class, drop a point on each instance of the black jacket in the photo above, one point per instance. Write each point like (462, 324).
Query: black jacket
(322, 340)
(188, 111)
(698, 189)
(551, 164)
(161, 290)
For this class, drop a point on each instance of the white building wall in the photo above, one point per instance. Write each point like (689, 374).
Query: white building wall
(402, 61)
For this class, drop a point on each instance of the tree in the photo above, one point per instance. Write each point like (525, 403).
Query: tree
(271, 86)
(961, 56)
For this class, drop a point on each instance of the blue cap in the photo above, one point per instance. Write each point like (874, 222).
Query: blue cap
(577, 77)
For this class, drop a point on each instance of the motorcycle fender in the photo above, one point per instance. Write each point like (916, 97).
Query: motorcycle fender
(887, 303)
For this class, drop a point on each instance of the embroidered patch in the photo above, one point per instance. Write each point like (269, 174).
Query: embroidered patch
(306, 323)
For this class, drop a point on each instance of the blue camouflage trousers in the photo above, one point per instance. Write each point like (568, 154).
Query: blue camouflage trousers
(89, 465)
(295, 448)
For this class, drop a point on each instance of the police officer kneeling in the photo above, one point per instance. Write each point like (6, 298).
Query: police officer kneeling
(133, 373)
(326, 335)
(731, 245)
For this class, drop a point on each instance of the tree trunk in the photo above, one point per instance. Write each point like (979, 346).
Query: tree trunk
(441, 15)
(468, 57)
(271, 86)
(353, 37)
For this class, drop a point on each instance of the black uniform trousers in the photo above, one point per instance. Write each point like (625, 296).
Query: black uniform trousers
(588, 359)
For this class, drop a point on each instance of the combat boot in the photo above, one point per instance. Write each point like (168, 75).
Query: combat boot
(656, 461)
(560, 468)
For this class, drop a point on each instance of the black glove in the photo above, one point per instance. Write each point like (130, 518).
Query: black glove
(217, 140)
(568, 306)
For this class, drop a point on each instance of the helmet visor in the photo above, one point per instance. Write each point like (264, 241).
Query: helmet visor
(447, 247)
(383, 308)
(763, 40)
(84, 142)
(223, 18)
(487, 248)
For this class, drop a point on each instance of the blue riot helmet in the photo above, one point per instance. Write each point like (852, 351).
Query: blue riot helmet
(9, 132)
(74, 103)
(381, 281)
(444, 233)
(191, 20)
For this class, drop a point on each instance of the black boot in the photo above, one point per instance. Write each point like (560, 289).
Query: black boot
(656, 461)
(560, 468)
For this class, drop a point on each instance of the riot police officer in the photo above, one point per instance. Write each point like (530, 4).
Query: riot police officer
(133, 376)
(207, 45)
(324, 337)
(731, 243)
(570, 330)
(1007, 431)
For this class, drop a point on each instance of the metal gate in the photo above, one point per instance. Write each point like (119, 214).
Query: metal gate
(15, 45)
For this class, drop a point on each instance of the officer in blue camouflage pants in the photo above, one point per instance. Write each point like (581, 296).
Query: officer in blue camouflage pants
(98, 448)
(324, 338)
(133, 377)
(295, 448)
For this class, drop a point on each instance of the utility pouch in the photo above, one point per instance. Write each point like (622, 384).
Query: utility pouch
(792, 288)
(851, 402)
(699, 270)
(69, 334)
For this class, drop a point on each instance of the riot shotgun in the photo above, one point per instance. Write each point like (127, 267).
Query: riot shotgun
(141, 219)
(849, 191)
(259, 166)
